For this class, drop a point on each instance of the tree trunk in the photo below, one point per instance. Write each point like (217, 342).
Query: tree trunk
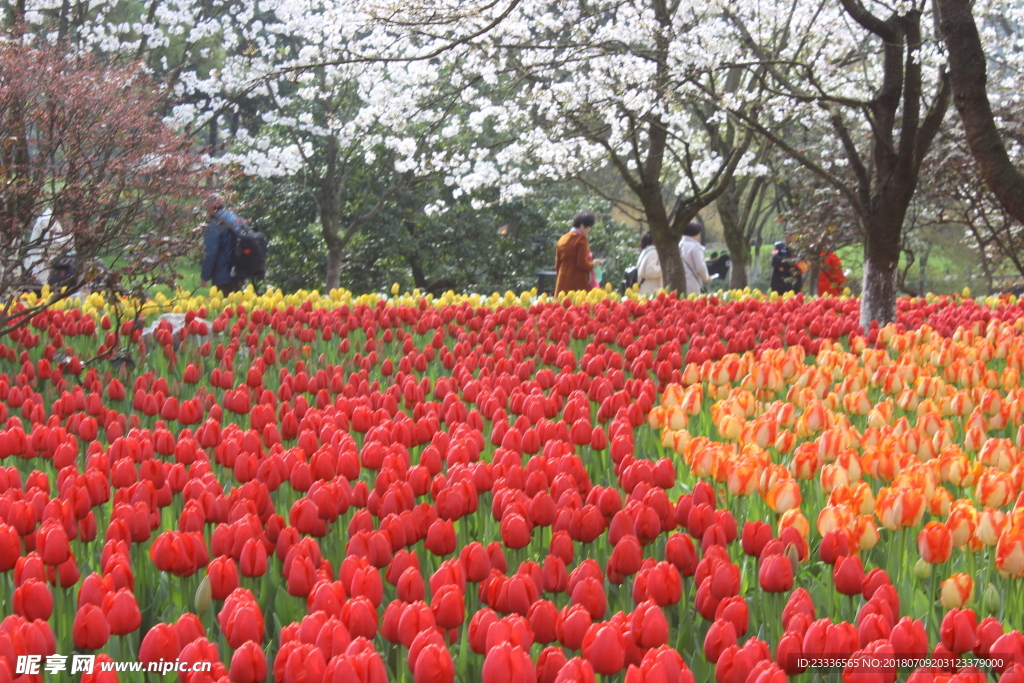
(813, 273)
(967, 78)
(881, 259)
(922, 271)
(330, 215)
(728, 205)
(673, 276)
(333, 278)
(419, 277)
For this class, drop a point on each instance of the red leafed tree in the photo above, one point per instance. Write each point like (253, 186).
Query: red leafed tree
(88, 169)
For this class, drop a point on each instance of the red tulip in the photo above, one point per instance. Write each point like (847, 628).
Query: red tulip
(248, 664)
(589, 593)
(721, 634)
(122, 612)
(253, 560)
(475, 562)
(100, 674)
(161, 643)
(223, 575)
(415, 617)
(543, 618)
(848, 575)
(605, 649)
(755, 535)
(515, 531)
(441, 537)
(360, 617)
(576, 670)
(626, 557)
(909, 637)
(988, 631)
(90, 630)
(788, 653)
(448, 606)
(649, 625)
(550, 663)
(775, 574)
(736, 663)
(959, 630)
(479, 626)
(573, 623)
(33, 600)
(434, 665)
(508, 664)
(52, 542)
(834, 544)
(10, 547)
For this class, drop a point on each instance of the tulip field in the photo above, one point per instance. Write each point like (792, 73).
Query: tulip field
(332, 489)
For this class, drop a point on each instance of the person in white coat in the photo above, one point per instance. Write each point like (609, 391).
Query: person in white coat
(648, 267)
(692, 252)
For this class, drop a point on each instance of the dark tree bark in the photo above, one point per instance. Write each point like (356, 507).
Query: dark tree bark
(330, 215)
(728, 205)
(967, 78)
(901, 135)
(412, 257)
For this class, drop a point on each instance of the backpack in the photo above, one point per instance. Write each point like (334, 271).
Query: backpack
(631, 276)
(249, 251)
(63, 272)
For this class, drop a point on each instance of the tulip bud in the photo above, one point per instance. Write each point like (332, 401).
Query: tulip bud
(922, 569)
(204, 595)
(991, 600)
(793, 555)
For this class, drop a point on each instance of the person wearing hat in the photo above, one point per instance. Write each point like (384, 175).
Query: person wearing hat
(786, 273)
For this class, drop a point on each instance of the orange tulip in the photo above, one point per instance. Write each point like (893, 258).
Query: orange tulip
(865, 532)
(833, 477)
(962, 522)
(742, 478)
(785, 442)
(857, 403)
(784, 496)
(680, 439)
(994, 489)
(1010, 552)
(675, 417)
(672, 396)
(974, 439)
(691, 374)
(899, 508)
(938, 505)
(957, 591)
(998, 453)
(991, 524)
(935, 543)
(693, 400)
(805, 462)
(794, 518)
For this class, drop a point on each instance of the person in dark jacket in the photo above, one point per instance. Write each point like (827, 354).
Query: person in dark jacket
(219, 248)
(718, 266)
(786, 274)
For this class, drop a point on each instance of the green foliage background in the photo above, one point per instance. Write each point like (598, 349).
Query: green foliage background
(496, 248)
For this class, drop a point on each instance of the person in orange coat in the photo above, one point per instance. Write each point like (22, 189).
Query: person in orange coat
(573, 264)
(831, 278)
